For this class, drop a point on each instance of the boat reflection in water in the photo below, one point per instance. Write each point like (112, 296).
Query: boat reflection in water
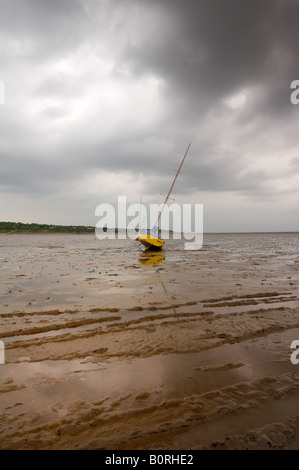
(150, 258)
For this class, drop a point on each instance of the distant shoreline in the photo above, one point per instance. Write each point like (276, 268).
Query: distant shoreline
(11, 228)
(18, 228)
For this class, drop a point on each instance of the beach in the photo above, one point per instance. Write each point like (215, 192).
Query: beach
(111, 347)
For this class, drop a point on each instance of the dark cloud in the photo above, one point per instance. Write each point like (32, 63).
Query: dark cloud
(99, 88)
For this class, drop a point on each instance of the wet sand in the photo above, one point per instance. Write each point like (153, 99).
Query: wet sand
(107, 347)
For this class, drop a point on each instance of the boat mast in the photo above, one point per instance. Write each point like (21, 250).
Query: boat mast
(171, 187)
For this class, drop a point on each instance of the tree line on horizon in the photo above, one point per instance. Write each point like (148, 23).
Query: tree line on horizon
(20, 227)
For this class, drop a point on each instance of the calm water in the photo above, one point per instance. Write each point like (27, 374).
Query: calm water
(41, 271)
(98, 332)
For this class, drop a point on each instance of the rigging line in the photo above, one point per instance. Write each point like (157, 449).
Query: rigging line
(143, 218)
(169, 192)
(147, 210)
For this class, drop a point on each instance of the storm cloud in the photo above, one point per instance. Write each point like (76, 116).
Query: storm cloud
(102, 98)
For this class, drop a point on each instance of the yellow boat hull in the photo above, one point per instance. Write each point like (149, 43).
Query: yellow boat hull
(150, 241)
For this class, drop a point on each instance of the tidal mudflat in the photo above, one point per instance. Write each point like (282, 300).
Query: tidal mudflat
(110, 347)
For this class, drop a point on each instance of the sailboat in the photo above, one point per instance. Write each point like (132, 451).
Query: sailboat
(150, 239)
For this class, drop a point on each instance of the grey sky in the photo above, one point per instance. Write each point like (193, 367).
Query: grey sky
(103, 97)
